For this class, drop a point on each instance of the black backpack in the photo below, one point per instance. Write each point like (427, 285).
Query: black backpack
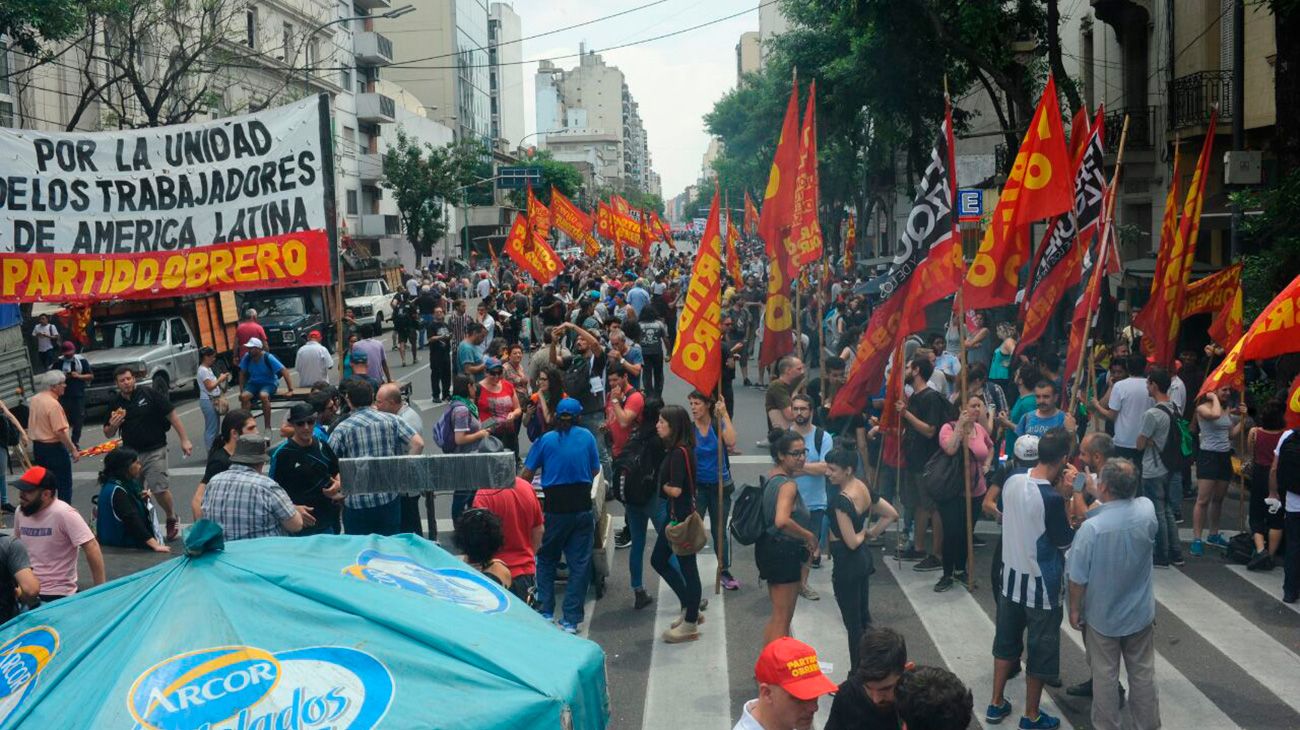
(750, 519)
(636, 469)
(1176, 449)
(577, 379)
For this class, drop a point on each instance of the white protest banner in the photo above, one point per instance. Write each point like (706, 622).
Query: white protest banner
(234, 203)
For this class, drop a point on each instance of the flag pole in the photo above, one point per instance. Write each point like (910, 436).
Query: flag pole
(719, 526)
(1099, 266)
(962, 438)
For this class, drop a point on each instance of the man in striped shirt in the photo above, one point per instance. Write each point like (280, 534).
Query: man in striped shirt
(1035, 533)
(370, 432)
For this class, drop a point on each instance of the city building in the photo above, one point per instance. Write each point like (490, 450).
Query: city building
(588, 105)
(771, 23)
(506, 76)
(748, 52)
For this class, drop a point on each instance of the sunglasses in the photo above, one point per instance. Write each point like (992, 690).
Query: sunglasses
(308, 422)
(496, 371)
(801, 453)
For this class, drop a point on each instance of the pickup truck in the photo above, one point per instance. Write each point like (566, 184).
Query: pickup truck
(288, 316)
(160, 340)
(15, 360)
(371, 302)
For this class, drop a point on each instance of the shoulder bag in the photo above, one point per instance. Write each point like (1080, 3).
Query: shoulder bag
(687, 536)
(942, 477)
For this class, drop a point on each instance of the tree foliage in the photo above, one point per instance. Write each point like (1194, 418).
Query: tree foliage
(562, 175)
(422, 177)
(31, 25)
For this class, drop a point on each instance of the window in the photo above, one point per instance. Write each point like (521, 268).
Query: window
(352, 202)
(4, 67)
(313, 53)
(349, 140)
(6, 114)
(287, 43)
(345, 78)
(250, 27)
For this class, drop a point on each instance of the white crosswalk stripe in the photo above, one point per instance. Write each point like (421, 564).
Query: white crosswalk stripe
(1269, 582)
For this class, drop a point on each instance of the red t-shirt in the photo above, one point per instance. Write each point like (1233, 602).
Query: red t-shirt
(247, 331)
(619, 433)
(520, 512)
(496, 403)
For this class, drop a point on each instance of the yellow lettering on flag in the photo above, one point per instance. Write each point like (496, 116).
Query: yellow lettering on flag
(697, 354)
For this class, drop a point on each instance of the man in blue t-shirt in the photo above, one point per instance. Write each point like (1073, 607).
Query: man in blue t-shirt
(469, 358)
(568, 461)
(259, 375)
(812, 480)
(1047, 415)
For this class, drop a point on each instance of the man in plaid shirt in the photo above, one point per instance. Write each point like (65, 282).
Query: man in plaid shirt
(247, 503)
(369, 432)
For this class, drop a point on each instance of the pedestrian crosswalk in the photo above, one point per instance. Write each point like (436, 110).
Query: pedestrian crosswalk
(1227, 649)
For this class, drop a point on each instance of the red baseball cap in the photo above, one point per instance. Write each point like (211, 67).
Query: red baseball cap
(792, 665)
(36, 477)
(313, 335)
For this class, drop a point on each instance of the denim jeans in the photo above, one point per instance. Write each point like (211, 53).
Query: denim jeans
(211, 422)
(684, 580)
(386, 519)
(593, 422)
(655, 513)
(1158, 490)
(569, 534)
(706, 503)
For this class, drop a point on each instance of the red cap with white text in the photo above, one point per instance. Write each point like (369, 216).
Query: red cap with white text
(792, 665)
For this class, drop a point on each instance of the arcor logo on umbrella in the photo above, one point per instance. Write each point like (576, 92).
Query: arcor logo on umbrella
(22, 659)
(239, 687)
(461, 586)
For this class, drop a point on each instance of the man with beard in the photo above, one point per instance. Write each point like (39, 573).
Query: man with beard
(865, 700)
(52, 531)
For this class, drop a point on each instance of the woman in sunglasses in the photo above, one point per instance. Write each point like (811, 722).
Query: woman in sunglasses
(782, 551)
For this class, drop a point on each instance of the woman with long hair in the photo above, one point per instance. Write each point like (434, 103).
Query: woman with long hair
(547, 394)
(851, 561)
(124, 516)
(677, 484)
(781, 552)
(236, 423)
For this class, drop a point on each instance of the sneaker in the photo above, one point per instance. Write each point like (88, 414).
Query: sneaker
(911, 554)
(550, 617)
(962, 577)
(1158, 563)
(568, 628)
(1082, 689)
(1179, 520)
(681, 618)
(173, 529)
(817, 563)
(1044, 721)
(928, 564)
(1218, 540)
(944, 584)
(641, 599)
(809, 593)
(748, 381)
(1197, 549)
(978, 541)
(1177, 560)
(623, 539)
(1291, 598)
(729, 582)
(1261, 561)
(997, 713)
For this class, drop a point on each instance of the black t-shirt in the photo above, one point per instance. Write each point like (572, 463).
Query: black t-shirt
(426, 303)
(932, 408)
(653, 334)
(852, 709)
(304, 471)
(146, 424)
(218, 461)
(678, 469)
(440, 337)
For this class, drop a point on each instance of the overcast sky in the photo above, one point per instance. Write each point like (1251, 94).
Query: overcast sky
(675, 80)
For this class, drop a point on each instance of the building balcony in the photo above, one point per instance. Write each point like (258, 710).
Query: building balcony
(1191, 98)
(378, 226)
(373, 107)
(372, 49)
(373, 4)
(1141, 128)
(370, 167)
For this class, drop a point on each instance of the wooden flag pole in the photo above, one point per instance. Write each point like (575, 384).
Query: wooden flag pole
(1099, 266)
(962, 439)
(719, 521)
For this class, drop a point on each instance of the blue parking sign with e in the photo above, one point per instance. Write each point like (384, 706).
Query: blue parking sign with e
(970, 203)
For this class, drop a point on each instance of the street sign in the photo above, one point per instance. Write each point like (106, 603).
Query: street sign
(517, 178)
(970, 204)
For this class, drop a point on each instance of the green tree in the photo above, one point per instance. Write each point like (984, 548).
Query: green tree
(32, 24)
(422, 177)
(562, 175)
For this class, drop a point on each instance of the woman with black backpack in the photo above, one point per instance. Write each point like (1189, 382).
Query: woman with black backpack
(782, 549)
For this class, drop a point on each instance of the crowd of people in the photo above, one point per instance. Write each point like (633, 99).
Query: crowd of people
(570, 378)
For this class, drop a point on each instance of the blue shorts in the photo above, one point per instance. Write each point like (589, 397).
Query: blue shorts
(254, 387)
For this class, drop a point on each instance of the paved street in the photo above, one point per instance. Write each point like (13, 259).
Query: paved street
(1228, 649)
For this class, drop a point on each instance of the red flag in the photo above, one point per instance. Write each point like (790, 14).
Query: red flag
(929, 269)
(620, 205)
(850, 244)
(778, 315)
(604, 220)
(893, 390)
(1079, 131)
(1093, 276)
(1189, 226)
(1225, 329)
(539, 218)
(1039, 187)
(806, 230)
(1212, 292)
(751, 216)
(778, 200)
(1276, 331)
(1293, 404)
(540, 261)
(1146, 318)
(573, 222)
(1060, 259)
(647, 238)
(733, 259)
(697, 354)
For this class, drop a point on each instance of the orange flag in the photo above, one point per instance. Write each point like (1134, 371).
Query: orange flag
(648, 237)
(605, 220)
(751, 216)
(733, 259)
(1079, 130)
(777, 216)
(540, 260)
(806, 231)
(1276, 331)
(1212, 292)
(539, 220)
(850, 244)
(1146, 318)
(573, 222)
(620, 205)
(1226, 327)
(1039, 187)
(697, 354)
(1293, 404)
(893, 390)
